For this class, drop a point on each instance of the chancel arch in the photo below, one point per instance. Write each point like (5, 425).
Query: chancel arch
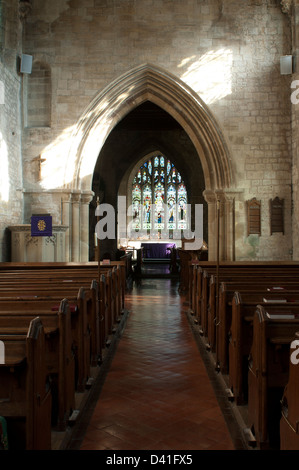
(148, 83)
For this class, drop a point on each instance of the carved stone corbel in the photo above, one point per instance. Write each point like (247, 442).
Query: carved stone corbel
(25, 8)
(286, 6)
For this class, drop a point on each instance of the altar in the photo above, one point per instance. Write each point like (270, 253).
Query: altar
(156, 249)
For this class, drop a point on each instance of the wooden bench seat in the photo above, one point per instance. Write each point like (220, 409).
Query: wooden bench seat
(68, 278)
(289, 422)
(217, 301)
(238, 268)
(79, 323)
(88, 268)
(96, 300)
(209, 293)
(59, 352)
(268, 372)
(226, 293)
(42, 288)
(25, 395)
(204, 301)
(101, 305)
(241, 333)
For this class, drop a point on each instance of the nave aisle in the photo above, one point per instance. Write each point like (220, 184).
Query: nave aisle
(157, 394)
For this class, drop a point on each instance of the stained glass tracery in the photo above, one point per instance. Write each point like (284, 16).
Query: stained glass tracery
(159, 196)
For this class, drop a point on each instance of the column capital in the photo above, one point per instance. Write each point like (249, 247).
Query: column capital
(87, 196)
(76, 196)
(223, 195)
(210, 196)
(66, 195)
(231, 194)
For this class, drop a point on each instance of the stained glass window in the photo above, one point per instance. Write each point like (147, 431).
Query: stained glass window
(136, 204)
(182, 207)
(171, 204)
(159, 197)
(147, 203)
(159, 206)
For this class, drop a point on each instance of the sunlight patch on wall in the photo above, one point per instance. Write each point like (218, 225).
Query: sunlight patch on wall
(58, 159)
(4, 176)
(54, 172)
(92, 147)
(209, 75)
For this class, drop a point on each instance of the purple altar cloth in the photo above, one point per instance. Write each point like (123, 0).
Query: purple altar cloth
(157, 250)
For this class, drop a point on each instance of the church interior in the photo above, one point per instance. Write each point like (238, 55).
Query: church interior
(149, 229)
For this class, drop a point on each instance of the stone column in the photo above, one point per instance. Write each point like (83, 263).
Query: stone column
(210, 198)
(75, 233)
(221, 213)
(86, 198)
(221, 203)
(232, 199)
(66, 220)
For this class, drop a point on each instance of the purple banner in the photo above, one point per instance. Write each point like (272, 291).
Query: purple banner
(41, 226)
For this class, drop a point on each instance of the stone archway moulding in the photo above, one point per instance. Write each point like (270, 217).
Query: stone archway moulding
(151, 83)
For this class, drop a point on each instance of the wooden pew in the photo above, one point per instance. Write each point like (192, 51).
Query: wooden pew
(42, 287)
(237, 268)
(71, 275)
(73, 272)
(241, 331)
(226, 293)
(204, 303)
(235, 271)
(59, 356)
(47, 286)
(268, 371)
(244, 279)
(82, 269)
(186, 257)
(289, 422)
(127, 261)
(24, 388)
(99, 323)
(79, 322)
(208, 305)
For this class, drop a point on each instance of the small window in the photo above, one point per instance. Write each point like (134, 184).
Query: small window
(39, 96)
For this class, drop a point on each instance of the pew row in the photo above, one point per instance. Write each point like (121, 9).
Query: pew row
(241, 333)
(79, 322)
(59, 351)
(226, 294)
(91, 268)
(289, 422)
(25, 393)
(103, 302)
(268, 371)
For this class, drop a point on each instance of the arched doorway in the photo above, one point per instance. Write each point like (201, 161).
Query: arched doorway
(149, 83)
(144, 134)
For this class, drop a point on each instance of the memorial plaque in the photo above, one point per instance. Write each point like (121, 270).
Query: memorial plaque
(253, 217)
(276, 215)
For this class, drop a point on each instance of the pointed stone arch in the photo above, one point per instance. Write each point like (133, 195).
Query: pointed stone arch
(151, 83)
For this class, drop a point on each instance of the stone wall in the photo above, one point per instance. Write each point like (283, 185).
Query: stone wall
(225, 52)
(11, 197)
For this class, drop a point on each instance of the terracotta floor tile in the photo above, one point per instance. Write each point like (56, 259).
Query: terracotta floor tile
(157, 393)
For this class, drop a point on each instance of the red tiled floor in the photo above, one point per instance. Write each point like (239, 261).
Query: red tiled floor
(157, 394)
